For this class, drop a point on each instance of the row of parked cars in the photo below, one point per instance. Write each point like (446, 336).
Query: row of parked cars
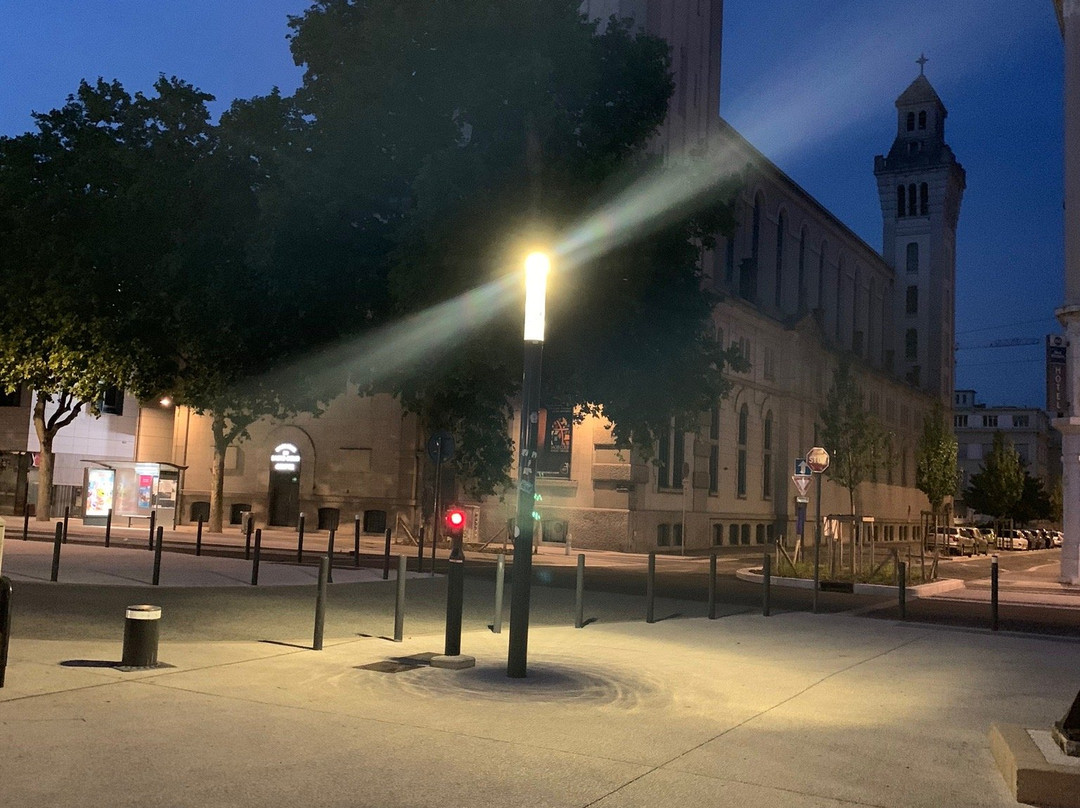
(971, 540)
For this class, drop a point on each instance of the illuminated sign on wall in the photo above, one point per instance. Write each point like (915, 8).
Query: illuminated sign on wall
(285, 457)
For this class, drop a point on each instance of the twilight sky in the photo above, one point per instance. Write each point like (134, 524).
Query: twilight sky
(812, 85)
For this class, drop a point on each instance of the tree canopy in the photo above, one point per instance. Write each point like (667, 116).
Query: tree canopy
(998, 485)
(936, 471)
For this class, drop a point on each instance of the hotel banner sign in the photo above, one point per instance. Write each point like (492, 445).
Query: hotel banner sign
(1057, 399)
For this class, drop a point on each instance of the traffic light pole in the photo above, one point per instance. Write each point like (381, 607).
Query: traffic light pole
(521, 573)
(455, 596)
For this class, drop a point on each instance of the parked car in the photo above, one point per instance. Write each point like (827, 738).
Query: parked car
(989, 538)
(1012, 540)
(952, 540)
(1058, 538)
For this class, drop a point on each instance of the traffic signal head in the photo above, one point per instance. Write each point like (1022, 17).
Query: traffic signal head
(455, 522)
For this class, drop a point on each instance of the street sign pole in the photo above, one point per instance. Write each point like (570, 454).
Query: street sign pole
(817, 545)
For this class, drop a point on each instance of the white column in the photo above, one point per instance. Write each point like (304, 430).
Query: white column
(1069, 313)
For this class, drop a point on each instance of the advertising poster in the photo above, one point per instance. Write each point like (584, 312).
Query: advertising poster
(99, 491)
(146, 492)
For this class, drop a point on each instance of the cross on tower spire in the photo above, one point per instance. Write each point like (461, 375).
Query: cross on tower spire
(921, 62)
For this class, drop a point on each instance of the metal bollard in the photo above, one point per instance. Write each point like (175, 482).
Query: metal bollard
(766, 580)
(994, 593)
(902, 590)
(320, 603)
(330, 557)
(579, 593)
(455, 598)
(108, 527)
(67, 515)
(153, 523)
(300, 540)
(712, 586)
(399, 600)
(356, 541)
(500, 579)
(56, 552)
(255, 560)
(198, 538)
(26, 521)
(386, 557)
(157, 557)
(650, 589)
(5, 624)
(141, 636)
(420, 550)
(249, 523)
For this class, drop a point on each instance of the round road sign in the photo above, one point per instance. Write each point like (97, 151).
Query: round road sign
(817, 459)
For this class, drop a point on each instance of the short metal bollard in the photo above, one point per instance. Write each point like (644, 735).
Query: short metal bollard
(57, 538)
(356, 541)
(141, 636)
(766, 580)
(399, 600)
(902, 589)
(386, 556)
(300, 540)
(994, 593)
(650, 590)
(712, 586)
(5, 624)
(500, 579)
(579, 593)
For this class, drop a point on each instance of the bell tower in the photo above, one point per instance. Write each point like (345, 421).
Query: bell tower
(920, 185)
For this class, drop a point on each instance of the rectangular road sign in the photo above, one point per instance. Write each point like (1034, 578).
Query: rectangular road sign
(802, 468)
(802, 483)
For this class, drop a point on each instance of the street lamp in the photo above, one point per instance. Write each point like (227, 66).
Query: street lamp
(537, 266)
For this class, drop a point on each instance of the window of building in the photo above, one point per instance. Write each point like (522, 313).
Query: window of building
(374, 521)
(663, 535)
(801, 292)
(766, 456)
(912, 300)
(960, 421)
(744, 429)
(714, 450)
(990, 420)
(924, 199)
(759, 534)
(1021, 421)
(912, 257)
(911, 121)
(778, 296)
(112, 401)
(911, 199)
(717, 534)
(768, 363)
(911, 344)
(745, 533)
(901, 201)
(670, 457)
(676, 534)
(748, 269)
(922, 118)
(733, 535)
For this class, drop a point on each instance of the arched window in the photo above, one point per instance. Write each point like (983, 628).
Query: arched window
(766, 456)
(740, 475)
(748, 269)
(911, 344)
(901, 201)
(802, 272)
(924, 199)
(911, 200)
(912, 257)
(922, 118)
(911, 121)
(821, 276)
(778, 296)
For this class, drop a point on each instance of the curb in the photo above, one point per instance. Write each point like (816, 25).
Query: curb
(754, 576)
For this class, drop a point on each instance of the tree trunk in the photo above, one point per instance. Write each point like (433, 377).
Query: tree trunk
(46, 461)
(217, 476)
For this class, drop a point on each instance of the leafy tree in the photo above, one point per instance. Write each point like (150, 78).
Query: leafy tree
(998, 485)
(80, 234)
(1034, 502)
(447, 137)
(854, 439)
(936, 471)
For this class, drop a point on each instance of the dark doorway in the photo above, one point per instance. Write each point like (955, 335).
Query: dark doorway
(284, 500)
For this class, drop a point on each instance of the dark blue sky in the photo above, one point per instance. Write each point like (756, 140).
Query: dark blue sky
(811, 84)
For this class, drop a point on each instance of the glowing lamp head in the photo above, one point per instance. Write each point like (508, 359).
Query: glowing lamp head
(537, 266)
(455, 521)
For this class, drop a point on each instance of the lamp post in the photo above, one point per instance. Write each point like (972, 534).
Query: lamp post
(536, 270)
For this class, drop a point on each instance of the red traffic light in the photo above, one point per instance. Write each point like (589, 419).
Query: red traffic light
(455, 519)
